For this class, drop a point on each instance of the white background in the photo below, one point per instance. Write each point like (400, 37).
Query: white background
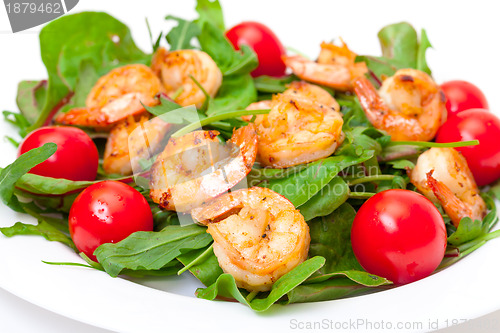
(464, 35)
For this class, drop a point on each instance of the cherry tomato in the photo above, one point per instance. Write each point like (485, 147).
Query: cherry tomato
(76, 157)
(399, 235)
(476, 124)
(265, 44)
(461, 96)
(107, 212)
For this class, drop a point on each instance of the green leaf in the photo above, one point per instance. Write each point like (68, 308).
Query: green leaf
(31, 98)
(401, 164)
(43, 228)
(331, 239)
(303, 185)
(13, 172)
(324, 291)
(145, 250)
(36, 184)
(225, 286)
(329, 198)
(469, 229)
(380, 66)
(180, 37)
(422, 48)
(399, 42)
(211, 11)
(273, 85)
(231, 62)
(86, 80)
(235, 93)
(207, 271)
(71, 39)
(360, 277)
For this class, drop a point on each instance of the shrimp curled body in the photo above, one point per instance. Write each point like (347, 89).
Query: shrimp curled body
(443, 176)
(334, 68)
(117, 95)
(258, 235)
(178, 71)
(297, 130)
(195, 168)
(409, 106)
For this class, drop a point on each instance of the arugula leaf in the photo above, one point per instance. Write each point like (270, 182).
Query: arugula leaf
(146, 250)
(43, 228)
(37, 184)
(328, 290)
(331, 239)
(225, 286)
(235, 93)
(210, 11)
(230, 62)
(399, 42)
(303, 185)
(273, 85)
(469, 229)
(422, 48)
(13, 172)
(86, 80)
(31, 98)
(180, 37)
(329, 198)
(400, 49)
(207, 271)
(360, 277)
(71, 39)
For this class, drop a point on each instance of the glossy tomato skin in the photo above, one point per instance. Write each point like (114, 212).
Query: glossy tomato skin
(476, 124)
(265, 44)
(76, 157)
(461, 96)
(107, 212)
(399, 235)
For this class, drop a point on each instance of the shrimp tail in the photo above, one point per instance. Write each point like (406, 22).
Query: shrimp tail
(454, 207)
(374, 107)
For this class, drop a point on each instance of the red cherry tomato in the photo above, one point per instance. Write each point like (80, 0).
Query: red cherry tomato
(399, 235)
(476, 124)
(107, 212)
(265, 44)
(76, 157)
(461, 96)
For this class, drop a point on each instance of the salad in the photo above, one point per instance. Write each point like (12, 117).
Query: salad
(303, 187)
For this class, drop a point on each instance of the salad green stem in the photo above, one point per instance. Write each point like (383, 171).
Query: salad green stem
(251, 296)
(370, 179)
(361, 195)
(197, 260)
(218, 117)
(434, 144)
(177, 93)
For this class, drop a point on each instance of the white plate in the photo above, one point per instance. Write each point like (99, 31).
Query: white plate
(467, 290)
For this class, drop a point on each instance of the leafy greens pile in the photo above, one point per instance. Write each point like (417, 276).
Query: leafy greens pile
(324, 193)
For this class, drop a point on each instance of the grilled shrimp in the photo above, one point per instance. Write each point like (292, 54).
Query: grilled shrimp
(334, 68)
(131, 140)
(196, 167)
(297, 130)
(299, 88)
(177, 69)
(116, 96)
(409, 105)
(258, 235)
(443, 176)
